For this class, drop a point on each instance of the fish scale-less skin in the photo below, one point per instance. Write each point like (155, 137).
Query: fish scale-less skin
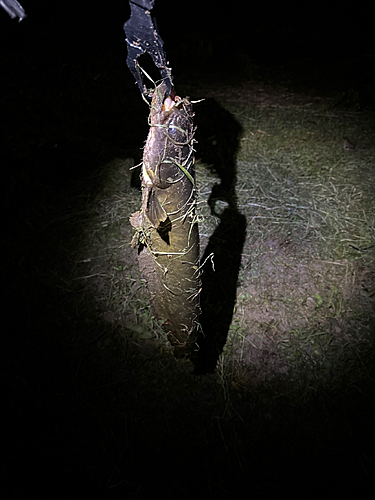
(168, 145)
(168, 238)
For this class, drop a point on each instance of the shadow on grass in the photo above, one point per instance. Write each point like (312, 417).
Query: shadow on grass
(218, 138)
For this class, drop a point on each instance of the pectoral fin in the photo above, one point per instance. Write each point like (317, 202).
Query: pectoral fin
(154, 211)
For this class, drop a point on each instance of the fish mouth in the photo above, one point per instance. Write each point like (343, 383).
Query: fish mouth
(170, 101)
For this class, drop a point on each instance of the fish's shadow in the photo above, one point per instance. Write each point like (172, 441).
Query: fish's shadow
(218, 136)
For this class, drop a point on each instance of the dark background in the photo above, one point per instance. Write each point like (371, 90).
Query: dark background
(68, 104)
(317, 47)
(271, 33)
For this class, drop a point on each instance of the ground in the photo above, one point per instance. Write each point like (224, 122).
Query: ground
(95, 400)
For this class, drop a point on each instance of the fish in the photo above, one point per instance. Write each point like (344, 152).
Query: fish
(167, 235)
(166, 153)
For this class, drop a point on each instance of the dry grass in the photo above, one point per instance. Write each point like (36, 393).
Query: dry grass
(305, 300)
(90, 380)
(303, 307)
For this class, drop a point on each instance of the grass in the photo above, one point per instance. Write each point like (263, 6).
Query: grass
(309, 205)
(309, 208)
(296, 372)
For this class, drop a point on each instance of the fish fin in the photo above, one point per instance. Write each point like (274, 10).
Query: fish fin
(155, 212)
